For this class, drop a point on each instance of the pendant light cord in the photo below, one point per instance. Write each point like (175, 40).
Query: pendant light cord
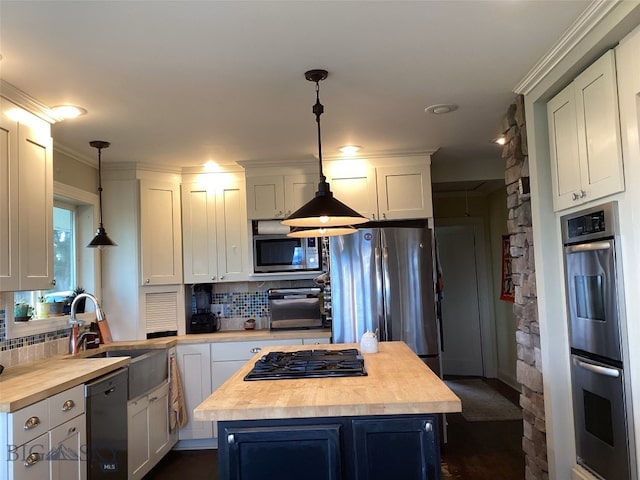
(100, 183)
(318, 109)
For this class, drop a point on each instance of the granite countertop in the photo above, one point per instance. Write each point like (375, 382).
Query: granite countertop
(398, 382)
(31, 382)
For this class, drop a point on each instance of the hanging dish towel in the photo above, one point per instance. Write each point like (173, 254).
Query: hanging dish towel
(177, 409)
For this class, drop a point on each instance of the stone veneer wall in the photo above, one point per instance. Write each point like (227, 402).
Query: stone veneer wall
(525, 307)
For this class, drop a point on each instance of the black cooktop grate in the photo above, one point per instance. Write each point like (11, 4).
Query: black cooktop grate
(308, 364)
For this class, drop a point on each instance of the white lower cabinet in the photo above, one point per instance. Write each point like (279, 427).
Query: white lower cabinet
(68, 446)
(148, 430)
(194, 362)
(46, 440)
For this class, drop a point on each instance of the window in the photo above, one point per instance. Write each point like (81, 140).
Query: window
(74, 265)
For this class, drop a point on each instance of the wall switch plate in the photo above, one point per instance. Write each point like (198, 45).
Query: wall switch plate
(217, 309)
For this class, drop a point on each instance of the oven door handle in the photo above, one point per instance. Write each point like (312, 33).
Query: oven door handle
(600, 370)
(589, 247)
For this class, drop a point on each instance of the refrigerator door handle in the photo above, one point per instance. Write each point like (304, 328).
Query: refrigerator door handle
(380, 291)
(386, 290)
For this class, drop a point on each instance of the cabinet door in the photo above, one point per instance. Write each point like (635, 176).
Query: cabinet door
(599, 143)
(388, 448)
(35, 206)
(404, 192)
(311, 452)
(298, 190)
(29, 462)
(139, 453)
(355, 187)
(233, 243)
(563, 141)
(220, 373)
(9, 246)
(68, 450)
(194, 362)
(160, 232)
(199, 233)
(265, 197)
(159, 437)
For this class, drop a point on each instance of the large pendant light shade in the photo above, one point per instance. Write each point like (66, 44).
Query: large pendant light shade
(101, 239)
(323, 212)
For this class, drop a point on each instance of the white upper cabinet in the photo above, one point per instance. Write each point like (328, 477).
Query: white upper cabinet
(584, 131)
(384, 189)
(214, 228)
(278, 196)
(26, 200)
(160, 233)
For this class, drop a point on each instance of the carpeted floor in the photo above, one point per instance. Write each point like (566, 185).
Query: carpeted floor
(481, 402)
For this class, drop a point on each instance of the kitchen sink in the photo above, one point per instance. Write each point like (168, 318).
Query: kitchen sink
(148, 368)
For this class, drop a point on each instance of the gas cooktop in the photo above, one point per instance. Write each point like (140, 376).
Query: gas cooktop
(308, 364)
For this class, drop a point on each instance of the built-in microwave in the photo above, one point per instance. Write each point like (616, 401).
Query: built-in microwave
(275, 252)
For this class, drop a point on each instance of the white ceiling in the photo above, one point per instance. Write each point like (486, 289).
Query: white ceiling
(179, 83)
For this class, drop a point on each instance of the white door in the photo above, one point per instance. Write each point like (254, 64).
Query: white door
(462, 347)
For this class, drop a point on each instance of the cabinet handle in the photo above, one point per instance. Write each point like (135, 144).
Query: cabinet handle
(575, 196)
(255, 349)
(384, 215)
(583, 194)
(68, 405)
(53, 282)
(153, 399)
(31, 422)
(373, 216)
(71, 430)
(428, 427)
(231, 439)
(32, 459)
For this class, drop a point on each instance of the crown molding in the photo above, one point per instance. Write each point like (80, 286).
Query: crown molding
(584, 24)
(74, 154)
(26, 101)
(384, 154)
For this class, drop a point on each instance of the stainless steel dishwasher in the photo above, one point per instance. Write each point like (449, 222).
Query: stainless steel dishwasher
(106, 399)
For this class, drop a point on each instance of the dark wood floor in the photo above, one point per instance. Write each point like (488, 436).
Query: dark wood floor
(474, 451)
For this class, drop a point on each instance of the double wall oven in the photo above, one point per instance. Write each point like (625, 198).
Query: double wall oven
(595, 310)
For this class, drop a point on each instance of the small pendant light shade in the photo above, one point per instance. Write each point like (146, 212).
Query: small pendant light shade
(101, 239)
(323, 212)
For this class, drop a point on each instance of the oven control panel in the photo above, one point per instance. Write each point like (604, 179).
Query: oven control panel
(590, 224)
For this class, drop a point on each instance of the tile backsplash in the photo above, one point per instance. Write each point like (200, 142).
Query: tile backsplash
(19, 350)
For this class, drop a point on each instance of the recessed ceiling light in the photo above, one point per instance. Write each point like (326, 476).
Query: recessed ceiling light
(441, 108)
(65, 112)
(349, 150)
(501, 140)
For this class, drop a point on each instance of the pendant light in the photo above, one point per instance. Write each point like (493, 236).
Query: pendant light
(323, 212)
(101, 239)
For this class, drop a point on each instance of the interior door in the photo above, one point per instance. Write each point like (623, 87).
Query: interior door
(462, 347)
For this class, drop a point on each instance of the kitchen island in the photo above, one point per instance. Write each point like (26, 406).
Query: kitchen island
(383, 425)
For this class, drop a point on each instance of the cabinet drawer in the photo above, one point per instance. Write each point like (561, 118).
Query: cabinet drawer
(66, 405)
(29, 462)
(28, 423)
(245, 350)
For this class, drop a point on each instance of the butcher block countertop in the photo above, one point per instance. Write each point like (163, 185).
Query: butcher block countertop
(26, 384)
(398, 382)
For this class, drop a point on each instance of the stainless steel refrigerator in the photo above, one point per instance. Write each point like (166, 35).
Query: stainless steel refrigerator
(382, 278)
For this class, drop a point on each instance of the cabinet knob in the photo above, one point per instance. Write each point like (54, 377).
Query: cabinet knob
(428, 427)
(213, 277)
(53, 282)
(231, 439)
(384, 215)
(583, 194)
(288, 212)
(221, 277)
(32, 459)
(279, 214)
(147, 280)
(68, 405)
(373, 216)
(255, 349)
(31, 422)
(575, 196)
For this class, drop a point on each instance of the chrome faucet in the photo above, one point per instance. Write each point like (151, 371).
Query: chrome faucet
(74, 323)
(99, 312)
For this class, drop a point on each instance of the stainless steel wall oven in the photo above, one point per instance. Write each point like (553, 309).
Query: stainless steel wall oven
(594, 307)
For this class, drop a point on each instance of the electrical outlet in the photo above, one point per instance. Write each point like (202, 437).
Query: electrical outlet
(218, 309)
